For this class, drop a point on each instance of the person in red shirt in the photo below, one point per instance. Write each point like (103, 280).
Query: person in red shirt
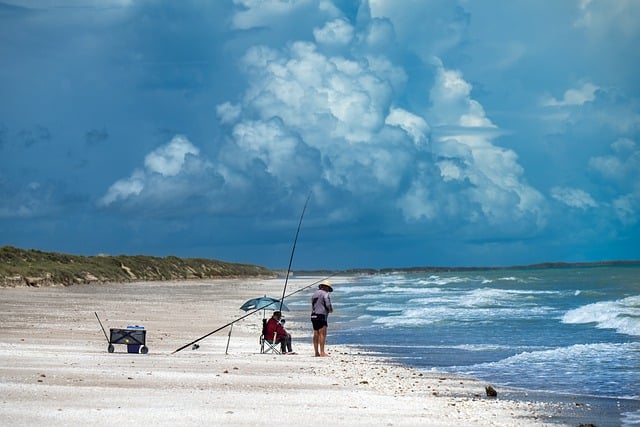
(274, 328)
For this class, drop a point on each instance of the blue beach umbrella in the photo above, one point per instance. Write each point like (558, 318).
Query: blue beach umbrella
(257, 304)
(263, 303)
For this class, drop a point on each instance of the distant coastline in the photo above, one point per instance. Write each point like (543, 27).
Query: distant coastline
(32, 267)
(538, 266)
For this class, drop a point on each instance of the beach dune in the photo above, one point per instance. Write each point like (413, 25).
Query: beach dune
(55, 368)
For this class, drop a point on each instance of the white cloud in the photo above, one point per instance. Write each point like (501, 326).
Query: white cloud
(573, 197)
(414, 125)
(228, 112)
(277, 149)
(491, 177)
(622, 166)
(452, 95)
(602, 16)
(305, 107)
(408, 20)
(124, 188)
(621, 170)
(314, 93)
(170, 159)
(450, 171)
(338, 31)
(337, 105)
(626, 208)
(578, 96)
(159, 179)
(417, 203)
(380, 35)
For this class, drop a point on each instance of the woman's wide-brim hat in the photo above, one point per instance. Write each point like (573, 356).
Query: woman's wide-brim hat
(326, 284)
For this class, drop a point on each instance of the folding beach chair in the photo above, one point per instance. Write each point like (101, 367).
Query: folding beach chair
(268, 344)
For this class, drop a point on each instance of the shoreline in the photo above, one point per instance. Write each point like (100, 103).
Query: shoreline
(557, 408)
(563, 408)
(55, 368)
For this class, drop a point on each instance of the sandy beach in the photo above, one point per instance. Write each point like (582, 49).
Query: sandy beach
(55, 368)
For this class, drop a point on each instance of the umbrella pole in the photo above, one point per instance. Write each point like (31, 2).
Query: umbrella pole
(228, 339)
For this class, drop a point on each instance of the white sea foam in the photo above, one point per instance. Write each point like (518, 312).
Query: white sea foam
(622, 315)
(579, 363)
(629, 419)
(491, 297)
(410, 290)
(420, 315)
(456, 319)
(465, 347)
(388, 306)
(441, 281)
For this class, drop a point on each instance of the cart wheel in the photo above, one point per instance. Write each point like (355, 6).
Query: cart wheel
(110, 348)
(144, 349)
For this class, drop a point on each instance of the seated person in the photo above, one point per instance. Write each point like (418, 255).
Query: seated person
(274, 328)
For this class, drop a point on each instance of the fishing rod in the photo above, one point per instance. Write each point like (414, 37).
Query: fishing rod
(283, 291)
(293, 250)
(248, 314)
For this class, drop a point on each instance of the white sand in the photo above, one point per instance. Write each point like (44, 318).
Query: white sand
(55, 368)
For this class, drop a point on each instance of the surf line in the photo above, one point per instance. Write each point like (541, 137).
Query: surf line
(283, 291)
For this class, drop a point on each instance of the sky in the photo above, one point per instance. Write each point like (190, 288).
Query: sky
(422, 132)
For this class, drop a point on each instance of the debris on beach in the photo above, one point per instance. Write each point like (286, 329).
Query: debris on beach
(491, 392)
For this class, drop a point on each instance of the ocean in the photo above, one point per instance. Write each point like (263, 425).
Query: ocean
(569, 331)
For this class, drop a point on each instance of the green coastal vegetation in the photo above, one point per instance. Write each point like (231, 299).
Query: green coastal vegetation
(20, 267)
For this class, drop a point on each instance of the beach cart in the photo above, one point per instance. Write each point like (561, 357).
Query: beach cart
(134, 337)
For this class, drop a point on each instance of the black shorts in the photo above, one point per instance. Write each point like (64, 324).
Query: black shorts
(318, 321)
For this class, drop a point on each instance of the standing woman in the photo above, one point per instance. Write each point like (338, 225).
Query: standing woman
(320, 309)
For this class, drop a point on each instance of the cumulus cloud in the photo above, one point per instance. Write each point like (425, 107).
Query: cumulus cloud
(412, 121)
(427, 41)
(622, 165)
(455, 106)
(488, 176)
(171, 158)
(321, 115)
(124, 188)
(573, 197)
(601, 16)
(626, 208)
(159, 180)
(337, 105)
(228, 113)
(414, 125)
(336, 32)
(621, 169)
(306, 107)
(577, 96)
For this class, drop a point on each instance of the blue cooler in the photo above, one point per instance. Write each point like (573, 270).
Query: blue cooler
(134, 348)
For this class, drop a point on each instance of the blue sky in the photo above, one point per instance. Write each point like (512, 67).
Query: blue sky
(440, 132)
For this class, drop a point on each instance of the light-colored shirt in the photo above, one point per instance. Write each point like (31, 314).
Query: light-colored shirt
(321, 302)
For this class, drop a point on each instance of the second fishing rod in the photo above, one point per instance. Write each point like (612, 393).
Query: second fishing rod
(250, 313)
(293, 249)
